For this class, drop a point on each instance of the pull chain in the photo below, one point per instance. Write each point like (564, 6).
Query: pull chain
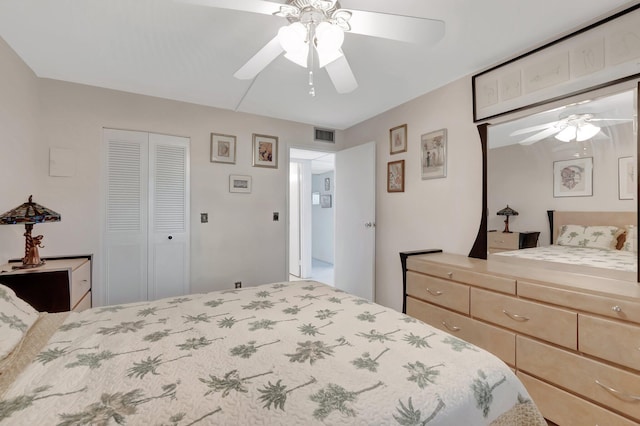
(311, 41)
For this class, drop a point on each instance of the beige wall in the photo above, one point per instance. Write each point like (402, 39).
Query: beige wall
(439, 213)
(240, 242)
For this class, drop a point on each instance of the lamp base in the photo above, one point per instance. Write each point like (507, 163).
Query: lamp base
(29, 265)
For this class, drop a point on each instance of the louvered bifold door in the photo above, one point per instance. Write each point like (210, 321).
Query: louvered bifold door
(168, 216)
(125, 232)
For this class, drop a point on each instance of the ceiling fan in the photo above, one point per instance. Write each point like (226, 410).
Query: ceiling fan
(316, 29)
(574, 127)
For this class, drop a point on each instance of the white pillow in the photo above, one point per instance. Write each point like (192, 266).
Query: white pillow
(602, 237)
(631, 239)
(16, 318)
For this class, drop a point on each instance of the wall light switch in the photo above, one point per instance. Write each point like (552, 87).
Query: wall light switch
(276, 216)
(204, 217)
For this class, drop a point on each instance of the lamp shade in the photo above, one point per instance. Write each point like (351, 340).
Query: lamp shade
(29, 213)
(507, 211)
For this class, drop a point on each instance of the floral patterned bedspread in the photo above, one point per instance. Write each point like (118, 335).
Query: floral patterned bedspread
(610, 259)
(287, 353)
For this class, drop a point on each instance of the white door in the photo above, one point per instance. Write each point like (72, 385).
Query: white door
(168, 216)
(355, 208)
(294, 219)
(147, 201)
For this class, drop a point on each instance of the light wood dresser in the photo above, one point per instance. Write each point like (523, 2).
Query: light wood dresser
(573, 339)
(61, 284)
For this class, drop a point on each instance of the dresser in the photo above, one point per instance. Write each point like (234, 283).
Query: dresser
(573, 339)
(502, 241)
(61, 284)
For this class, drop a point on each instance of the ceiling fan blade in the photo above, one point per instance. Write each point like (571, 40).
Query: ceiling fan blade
(255, 6)
(409, 29)
(535, 128)
(610, 119)
(260, 60)
(341, 75)
(539, 136)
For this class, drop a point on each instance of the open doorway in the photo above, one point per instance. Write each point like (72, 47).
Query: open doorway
(311, 215)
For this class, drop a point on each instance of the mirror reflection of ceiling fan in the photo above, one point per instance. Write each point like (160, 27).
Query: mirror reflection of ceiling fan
(574, 127)
(316, 31)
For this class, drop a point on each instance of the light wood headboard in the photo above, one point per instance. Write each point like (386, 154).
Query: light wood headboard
(559, 218)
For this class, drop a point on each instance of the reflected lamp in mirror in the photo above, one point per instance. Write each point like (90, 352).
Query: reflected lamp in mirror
(507, 212)
(29, 214)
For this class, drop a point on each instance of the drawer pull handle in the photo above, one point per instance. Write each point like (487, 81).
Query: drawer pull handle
(621, 395)
(450, 275)
(515, 316)
(450, 327)
(616, 309)
(434, 293)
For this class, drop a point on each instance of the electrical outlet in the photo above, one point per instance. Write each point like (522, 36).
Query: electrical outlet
(238, 284)
(204, 217)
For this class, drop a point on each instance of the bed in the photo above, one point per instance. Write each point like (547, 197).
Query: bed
(283, 353)
(613, 247)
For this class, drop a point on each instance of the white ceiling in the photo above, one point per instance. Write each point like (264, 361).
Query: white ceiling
(186, 52)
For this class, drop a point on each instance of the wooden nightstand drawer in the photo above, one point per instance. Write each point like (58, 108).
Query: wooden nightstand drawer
(545, 322)
(438, 291)
(84, 303)
(503, 240)
(566, 409)
(611, 386)
(499, 342)
(80, 283)
(610, 340)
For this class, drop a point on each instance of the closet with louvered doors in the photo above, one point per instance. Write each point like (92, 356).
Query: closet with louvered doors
(146, 218)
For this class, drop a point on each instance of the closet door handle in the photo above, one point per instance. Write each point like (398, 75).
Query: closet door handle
(618, 394)
(450, 327)
(515, 317)
(170, 237)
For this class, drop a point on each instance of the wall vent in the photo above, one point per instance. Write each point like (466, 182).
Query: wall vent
(324, 135)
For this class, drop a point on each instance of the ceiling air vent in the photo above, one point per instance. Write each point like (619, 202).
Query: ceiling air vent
(324, 135)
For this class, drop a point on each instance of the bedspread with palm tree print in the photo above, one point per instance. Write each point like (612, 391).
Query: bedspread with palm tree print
(286, 353)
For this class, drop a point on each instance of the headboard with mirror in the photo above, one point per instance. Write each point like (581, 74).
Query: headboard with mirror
(577, 152)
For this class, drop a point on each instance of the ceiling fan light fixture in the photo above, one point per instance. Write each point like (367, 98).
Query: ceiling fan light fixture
(567, 134)
(293, 39)
(586, 131)
(329, 39)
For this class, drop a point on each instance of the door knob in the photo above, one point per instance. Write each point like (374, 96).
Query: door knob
(170, 237)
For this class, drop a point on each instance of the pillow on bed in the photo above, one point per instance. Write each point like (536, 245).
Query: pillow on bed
(601, 237)
(16, 317)
(631, 242)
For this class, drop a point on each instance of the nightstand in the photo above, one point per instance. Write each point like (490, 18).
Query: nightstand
(503, 241)
(61, 284)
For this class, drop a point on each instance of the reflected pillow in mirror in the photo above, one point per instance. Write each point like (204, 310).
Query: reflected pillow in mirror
(16, 318)
(631, 242)
(601, 237)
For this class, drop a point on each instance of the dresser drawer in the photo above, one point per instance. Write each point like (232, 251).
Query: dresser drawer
(545, 322)
(610, 340)
(84, 303)
(438, 291)
(581, 375)
(503, 240)
(80, 282)
(491, 282)
(499, 342)
(626, 310)
(566, 409)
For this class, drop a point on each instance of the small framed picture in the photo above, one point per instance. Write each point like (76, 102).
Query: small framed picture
(239, 183)
(433, 154)
(265, 151)
(395, 176)
(398, 139)
(325, 201)
(627, 178)
(327, 184)
(223, 148)
(573, 178)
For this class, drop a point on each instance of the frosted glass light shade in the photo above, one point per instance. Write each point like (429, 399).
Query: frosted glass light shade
(293, 39)
(586, 132)
(567, 134)
(329, 39)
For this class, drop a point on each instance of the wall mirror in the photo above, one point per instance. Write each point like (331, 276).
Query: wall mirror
(576, 157)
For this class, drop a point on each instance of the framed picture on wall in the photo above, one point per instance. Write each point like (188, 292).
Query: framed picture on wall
(325, 201)
(398, 139)
(433, 153)
(239, 183)
(395, 176)
(573, 178)
(223, 148)
(327, 184)
(265, 151)
(627, 178)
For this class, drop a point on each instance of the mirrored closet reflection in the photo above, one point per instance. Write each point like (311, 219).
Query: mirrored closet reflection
(579, 159)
